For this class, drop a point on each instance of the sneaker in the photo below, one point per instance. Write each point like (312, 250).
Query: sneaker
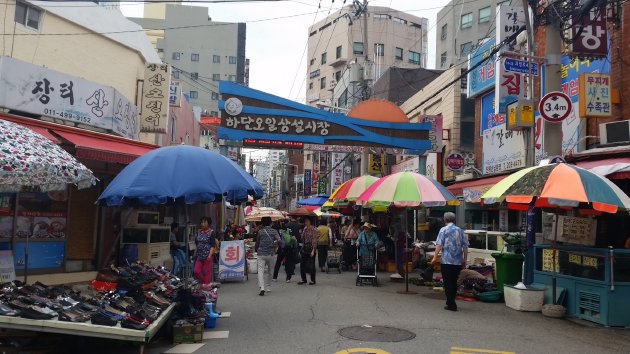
(312, 283)
(268, 290)
(261, 293)
(274, 279)
(301, 283)
(288, 280)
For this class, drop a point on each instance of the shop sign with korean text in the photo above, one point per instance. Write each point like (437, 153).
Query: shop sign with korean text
(489, 119)
(431, 166)
(510, 87)
(473, 194)
(41, 91)
(307, 182)
(175, 94)
(435, 134)
(232, 260)
(337, 172)
(409, 165)
(249, 113)
(503, 150)
(589, 35)
(595, 88)
(155, 98)
(481, 78)
(509, 20)
(376, 164)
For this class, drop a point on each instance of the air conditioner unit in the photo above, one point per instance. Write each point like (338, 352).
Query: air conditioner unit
(614, 132)
(139, 218)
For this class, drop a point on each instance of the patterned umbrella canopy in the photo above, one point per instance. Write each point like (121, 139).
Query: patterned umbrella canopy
(559, 185)
(406, 189)
(301, 212)
(348, 192)
(29, 159)
(257, 213)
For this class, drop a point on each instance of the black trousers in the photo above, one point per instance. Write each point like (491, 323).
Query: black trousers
(450, 273)
(322, 254)
(285, 254)
(308, 265)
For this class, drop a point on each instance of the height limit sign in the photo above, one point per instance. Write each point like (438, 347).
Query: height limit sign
(555, 106)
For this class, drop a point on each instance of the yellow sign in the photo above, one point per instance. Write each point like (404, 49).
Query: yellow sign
(511, 115)
(527, 114)
(547, 261)
(423, 226)
(459, 350)
(376, 164)
(362, 351)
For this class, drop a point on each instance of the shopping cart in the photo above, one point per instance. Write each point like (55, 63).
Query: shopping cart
(333, 259)
(366, 271)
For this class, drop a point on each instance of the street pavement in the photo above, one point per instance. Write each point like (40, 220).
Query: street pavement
(306, 319)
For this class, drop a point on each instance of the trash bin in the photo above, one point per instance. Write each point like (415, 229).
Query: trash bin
(509, 267)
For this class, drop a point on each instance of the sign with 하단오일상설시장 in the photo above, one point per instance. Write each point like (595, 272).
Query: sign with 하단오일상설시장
(155, 98)
(249, 113)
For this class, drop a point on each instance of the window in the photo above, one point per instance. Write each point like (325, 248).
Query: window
(216, 77)
(324, 55)
(27, 15)
(357, 48)
(214, 96)
(504, 2)
(232, 78)
(467, 20)
(338, 76)
(444, 32)
(232, 60)
(338, 52)
(175, 74)
(176, 55)
(400, 20)
(173, 128)
(465, 48)
(194, 76)
(194, 94)
(485, 14)
(310, 85)
(414, 58)
(322, 83)
(382, 17)
(216, 59)
(443, 59)
(312, 62)
(398, 53)
(214, 113)
(194, 57)
(379, 49)
(308, 157)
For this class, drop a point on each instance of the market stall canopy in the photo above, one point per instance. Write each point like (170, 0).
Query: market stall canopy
(28, 159)
(301, 212)
(558, 185)
(327, 214)
(181, 173)
(257, 213)
(315, 201)
(406, 189)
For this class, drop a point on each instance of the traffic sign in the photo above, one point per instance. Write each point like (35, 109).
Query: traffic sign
(555, 106)
(520, 66)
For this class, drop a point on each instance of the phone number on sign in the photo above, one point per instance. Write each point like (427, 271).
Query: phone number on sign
(66, 115)
(508, 165)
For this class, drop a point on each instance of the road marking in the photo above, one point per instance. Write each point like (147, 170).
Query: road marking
(362, 351)
(459, 350)
(216, 334)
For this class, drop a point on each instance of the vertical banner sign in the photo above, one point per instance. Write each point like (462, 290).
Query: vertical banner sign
(510, 86)
(175, 95)
(589, 33)
(595, 88)
(232, 260)
(322, 185)
(482, 78)
(435, 134)
(323, 161)
(375, 164)
(155, 98)
(337, 172)
(307, 182)
(7, 267)
(489, 119)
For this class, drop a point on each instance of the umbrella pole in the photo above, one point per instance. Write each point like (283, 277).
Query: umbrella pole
(553, 258)
(404, 259)
(186, 242)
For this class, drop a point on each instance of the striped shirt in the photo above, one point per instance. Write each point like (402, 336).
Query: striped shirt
(268, 238)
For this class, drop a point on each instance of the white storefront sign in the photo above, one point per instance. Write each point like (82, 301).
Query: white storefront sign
(410, 165)
(337, 172)
(503, 150)
(37, 90)
(155, 98)
(432, 166)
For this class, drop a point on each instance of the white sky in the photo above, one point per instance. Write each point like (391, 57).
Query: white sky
(275, 46)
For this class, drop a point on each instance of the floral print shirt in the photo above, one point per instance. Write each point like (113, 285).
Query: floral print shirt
(205, 241)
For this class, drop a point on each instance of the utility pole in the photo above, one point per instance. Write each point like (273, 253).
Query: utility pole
(552, 132)
(366, 67)
(531, 141)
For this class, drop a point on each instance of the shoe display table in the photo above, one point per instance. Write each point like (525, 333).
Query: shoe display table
(87, 329)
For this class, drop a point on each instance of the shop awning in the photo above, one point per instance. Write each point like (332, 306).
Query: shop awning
(458, 188)
(613, 168)
(104, 149)
(42, 131)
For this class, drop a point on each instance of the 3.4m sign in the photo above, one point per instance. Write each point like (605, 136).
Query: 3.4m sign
(555, 106)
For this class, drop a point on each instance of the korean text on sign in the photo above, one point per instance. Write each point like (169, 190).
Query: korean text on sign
(278, 125)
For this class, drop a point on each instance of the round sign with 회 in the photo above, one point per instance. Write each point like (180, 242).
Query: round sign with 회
(555, 106)
(455, 162)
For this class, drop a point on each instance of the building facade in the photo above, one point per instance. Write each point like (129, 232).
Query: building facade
(461, 26)
(201, 51)
(394, 38)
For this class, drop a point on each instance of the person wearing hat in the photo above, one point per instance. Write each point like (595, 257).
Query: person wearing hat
(367, 239)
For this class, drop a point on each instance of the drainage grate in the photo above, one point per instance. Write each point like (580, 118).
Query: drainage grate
(435, 296)
(376, 334)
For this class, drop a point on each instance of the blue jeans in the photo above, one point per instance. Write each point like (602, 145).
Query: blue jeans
(179, 261)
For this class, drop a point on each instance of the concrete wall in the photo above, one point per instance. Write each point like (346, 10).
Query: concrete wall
(89, 56)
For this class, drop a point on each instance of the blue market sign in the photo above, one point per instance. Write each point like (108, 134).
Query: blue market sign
(481, 78)
(520, 66)
(252, 115)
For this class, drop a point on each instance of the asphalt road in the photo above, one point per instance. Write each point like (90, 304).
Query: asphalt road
(306, 319)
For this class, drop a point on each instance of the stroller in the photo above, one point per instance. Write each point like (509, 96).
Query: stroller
(333, 259)
(366, 271)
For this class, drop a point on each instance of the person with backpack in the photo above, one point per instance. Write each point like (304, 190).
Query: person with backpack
(286, 254)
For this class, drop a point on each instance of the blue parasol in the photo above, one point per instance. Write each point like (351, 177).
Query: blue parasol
(180, 174)
(317, 200)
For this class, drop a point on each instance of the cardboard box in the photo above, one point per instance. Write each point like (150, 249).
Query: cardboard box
(188, 333)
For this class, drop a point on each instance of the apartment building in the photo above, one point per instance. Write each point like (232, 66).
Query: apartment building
(394, 38)
(461, 26)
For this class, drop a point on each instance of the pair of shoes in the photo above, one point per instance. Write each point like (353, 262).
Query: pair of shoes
(288, 280)
(450, 308)
(312, 283)
(261, 293)
(301, 283)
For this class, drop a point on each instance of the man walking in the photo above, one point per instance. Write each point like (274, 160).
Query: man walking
(453, 244)
(266, 242)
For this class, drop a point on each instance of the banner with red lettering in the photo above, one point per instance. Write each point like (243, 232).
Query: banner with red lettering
(232, 260)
